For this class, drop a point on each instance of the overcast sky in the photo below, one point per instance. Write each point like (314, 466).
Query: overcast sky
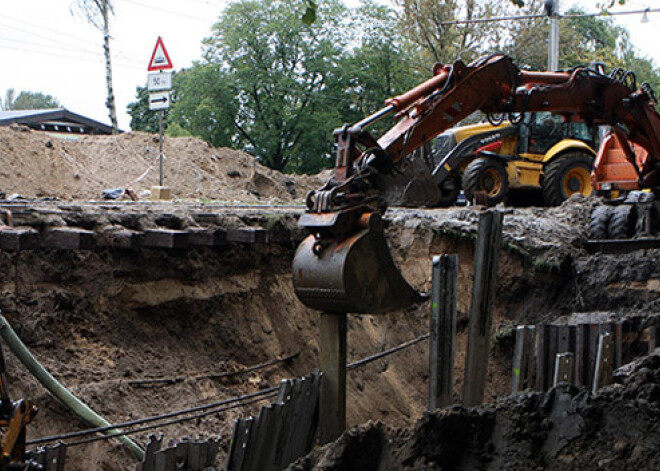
(45, 48)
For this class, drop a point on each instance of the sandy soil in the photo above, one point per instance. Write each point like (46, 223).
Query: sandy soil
(35, 164)
(101, 320)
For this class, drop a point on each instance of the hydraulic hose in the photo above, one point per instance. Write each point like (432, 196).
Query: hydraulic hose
(78, 407)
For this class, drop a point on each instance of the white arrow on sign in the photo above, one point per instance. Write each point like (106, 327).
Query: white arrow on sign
(159, 101)
(159, 81)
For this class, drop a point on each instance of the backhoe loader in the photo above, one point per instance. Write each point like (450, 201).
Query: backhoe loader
(344, 264)
(494, 158)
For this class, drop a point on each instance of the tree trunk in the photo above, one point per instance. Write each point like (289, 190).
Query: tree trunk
(110, 103)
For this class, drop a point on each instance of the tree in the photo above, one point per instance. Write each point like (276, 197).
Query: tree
(205, 105)
(526, 40)
(142, 118)
(423, 22)
(28, 101)
(283, 74)
(97, 13)
(380, 65)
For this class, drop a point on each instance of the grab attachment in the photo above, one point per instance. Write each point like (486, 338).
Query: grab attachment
(349, 273)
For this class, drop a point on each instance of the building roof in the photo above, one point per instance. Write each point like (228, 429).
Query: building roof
(55, 120)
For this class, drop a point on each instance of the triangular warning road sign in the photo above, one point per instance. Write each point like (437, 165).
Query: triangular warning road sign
(160, 59)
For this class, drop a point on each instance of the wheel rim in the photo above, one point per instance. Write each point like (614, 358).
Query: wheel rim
(491, 182)
(577, 180)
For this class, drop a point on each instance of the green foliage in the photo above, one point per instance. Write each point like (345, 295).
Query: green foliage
(28, 101)
(204, 104)
(424, 24)
(175, 130)
(283, 74)
(143, 119)
(310, 13)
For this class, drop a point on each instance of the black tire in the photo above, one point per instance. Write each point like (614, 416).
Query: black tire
(600, 220)
(488, 175)
(622, 223)
(566, 175)
(449, 191)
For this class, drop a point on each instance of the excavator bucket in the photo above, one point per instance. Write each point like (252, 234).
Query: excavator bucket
(355, 274)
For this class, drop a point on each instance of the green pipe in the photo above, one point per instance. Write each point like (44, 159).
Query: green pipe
(57, 389)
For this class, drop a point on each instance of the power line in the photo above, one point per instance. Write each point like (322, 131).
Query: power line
(169, 12)
(528, 17)
(76, 58)
(77, 39)
(42, 46)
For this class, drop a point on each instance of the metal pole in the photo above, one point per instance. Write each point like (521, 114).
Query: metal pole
(443, 331)
(160, 142)
(553, 40)
(486, 259)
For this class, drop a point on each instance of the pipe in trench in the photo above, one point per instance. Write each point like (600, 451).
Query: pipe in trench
(56, 388)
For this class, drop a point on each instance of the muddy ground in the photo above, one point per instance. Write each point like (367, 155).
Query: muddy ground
(103, 320)
(564, 428)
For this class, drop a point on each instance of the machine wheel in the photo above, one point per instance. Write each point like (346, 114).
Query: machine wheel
(488, 175)
(565, 176)
(622, 223)
(449, 190)
(600, 219)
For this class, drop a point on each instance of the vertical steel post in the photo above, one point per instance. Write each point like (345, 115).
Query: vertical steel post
(483, 297)
(563, 368)
(332, 419)
(160, 143)
(519, 359)
(442, 341)
(604, 361)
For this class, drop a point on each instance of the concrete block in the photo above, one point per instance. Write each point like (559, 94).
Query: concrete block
(160, 193)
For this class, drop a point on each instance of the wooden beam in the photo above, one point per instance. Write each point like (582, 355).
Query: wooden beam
(69, 238)
(247, 235)
(15, 239)
(332, 417)
(120, 239)
(165, 239)
(207, 237)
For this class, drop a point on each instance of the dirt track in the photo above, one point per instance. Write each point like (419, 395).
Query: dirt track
(103, 318)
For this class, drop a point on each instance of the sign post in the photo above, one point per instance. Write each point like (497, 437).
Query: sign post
(159, 84)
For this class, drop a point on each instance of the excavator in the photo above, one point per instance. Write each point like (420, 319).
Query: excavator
(344, 265)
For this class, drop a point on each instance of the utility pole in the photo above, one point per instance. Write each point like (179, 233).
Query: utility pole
(552, 10)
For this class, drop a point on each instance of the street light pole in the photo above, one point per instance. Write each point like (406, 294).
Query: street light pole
(553, 39)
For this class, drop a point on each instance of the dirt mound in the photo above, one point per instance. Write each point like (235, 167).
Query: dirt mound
(565, 428)
(37, 164)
